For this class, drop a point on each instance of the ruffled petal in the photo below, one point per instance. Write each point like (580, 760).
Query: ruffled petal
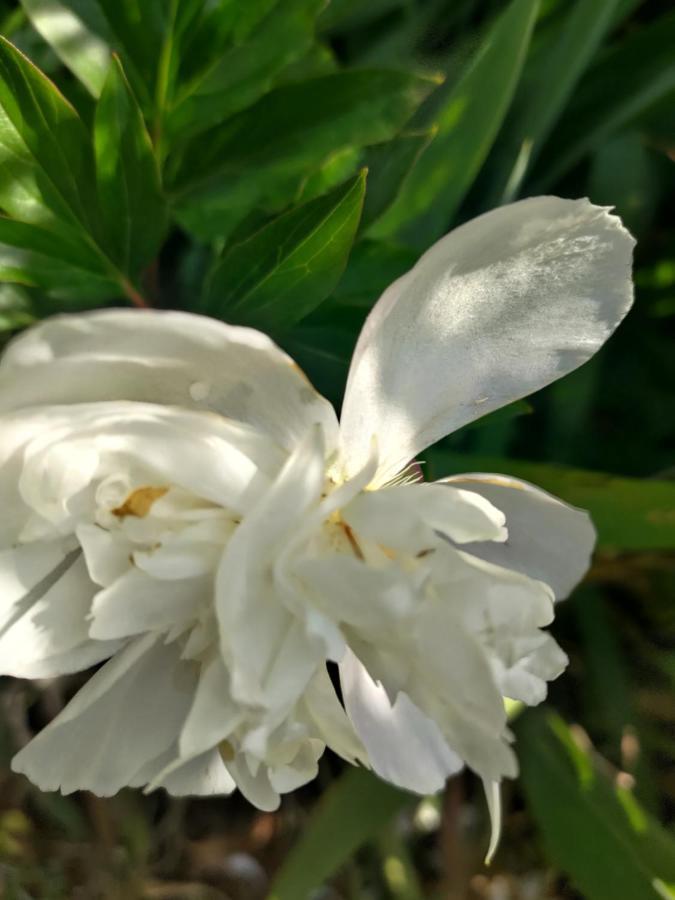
(497, 309)
(404, 746)
(548, 539)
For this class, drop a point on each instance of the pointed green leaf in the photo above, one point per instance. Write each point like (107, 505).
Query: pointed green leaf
(64, 268)
(45, 144)
(283, 272)
(261, 156)
(388, 165)
(629, 513)
(593, 829)
(132, 204)
(241, 74)
(351, 812)
(467, 115)
(79, 47)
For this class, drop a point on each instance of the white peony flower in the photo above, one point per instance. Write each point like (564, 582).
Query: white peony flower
(180, 502)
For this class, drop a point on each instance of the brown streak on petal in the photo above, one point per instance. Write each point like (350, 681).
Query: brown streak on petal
(139, 502)
(358, 552)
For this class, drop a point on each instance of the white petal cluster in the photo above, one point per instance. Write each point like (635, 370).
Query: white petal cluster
(180, 502)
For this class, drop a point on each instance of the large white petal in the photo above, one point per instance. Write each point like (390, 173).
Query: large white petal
(548, 539)
(267, 649)
(404, 746)
(497, 309)
(126, 715)
(137, 602)
(45, 633)
(164, 357)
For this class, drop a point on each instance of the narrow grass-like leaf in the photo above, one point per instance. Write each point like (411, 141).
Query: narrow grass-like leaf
(562, 55)
(467, 118)
(629, 513)
(261, 156)
(132, 205)
(626, 82)
(351, 812)
(284, 271)
(593, 829)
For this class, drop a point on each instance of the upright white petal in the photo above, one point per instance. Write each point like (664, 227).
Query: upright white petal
(548, 539)
(166, 357)
(497, 309)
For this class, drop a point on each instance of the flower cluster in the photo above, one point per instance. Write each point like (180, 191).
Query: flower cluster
(180, 502)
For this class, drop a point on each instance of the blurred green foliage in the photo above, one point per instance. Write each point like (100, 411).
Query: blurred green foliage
(278, 163)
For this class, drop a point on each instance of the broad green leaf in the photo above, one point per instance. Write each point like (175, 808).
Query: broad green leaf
(625, 83)
(80, 48)
(388, 165)
(372, 267)
(593, 829)
(46, 163)
(629, 513)
(132, 205)
(238, 77)
(15, 308)
(67, 269)
(562, 56)
(351, 812)
(467, 116)
(261, 156)
(284, 271)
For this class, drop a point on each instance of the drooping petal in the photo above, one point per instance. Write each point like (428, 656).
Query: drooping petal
(497, 309)
(165, 357)
(326, 713)
(404, 746)
(493, 797)
(48, 623)
(126, 715)
(548, 539)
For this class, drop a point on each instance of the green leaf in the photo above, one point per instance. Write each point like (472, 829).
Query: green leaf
(372, 267)
(593, 829)
(80, 48)
(629, 513)
(242, 74)
(467, 116)
(46, 163)
(65, 268)
(130, 195)
(562, 56)
(15, 308)
(625, 83)
(388, 164)
(283, 272)
(261, 156)
(351, 812)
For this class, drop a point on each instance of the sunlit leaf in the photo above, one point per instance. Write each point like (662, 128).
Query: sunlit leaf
(284, 271)
(594, 829)
(354, 810)
(132, 205)
(261, 155)
(467, 115)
